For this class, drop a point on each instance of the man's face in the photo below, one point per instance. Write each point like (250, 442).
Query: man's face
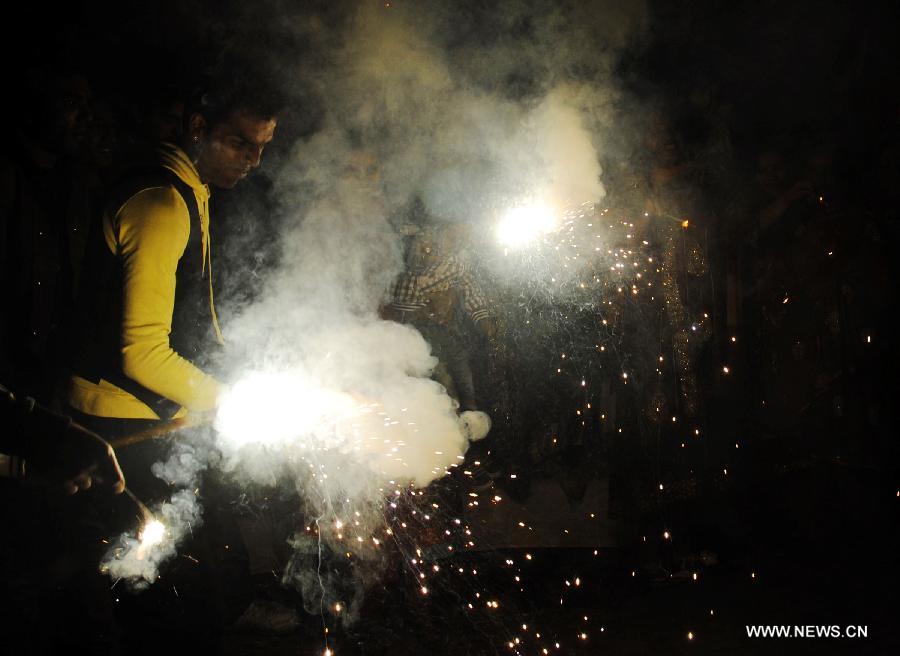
(362, 168)
(102, 135)
(166, 122)
(662, 144)
(232, 148)
(771, 175)
(65, 115)
(424, 251)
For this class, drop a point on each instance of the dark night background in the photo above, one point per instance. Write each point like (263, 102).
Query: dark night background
(797, 525)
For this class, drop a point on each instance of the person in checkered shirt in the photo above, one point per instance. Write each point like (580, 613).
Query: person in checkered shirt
(435, 293)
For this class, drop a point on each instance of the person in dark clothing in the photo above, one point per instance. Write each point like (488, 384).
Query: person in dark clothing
(432, 294)
(42, 228)
(40, 566)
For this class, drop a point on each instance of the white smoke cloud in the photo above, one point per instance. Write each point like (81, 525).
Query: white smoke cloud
(137, 556)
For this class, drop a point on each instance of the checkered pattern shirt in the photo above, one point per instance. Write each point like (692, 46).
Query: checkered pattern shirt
(413, 288)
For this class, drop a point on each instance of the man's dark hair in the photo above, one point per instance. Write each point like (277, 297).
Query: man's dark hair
(236, 87)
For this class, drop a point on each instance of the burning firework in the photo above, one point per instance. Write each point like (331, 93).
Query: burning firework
(525, 223)
(153, 533)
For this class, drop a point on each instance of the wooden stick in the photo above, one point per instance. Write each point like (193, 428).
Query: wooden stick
(142, 507)
(158, 431)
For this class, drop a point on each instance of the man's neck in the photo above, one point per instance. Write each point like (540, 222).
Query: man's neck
(191, 150)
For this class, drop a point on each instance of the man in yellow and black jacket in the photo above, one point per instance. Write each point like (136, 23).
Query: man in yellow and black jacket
(147, 318)
(147, 308)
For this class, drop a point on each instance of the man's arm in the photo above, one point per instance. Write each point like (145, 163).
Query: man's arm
(153, 228)
(476, 305)
(474, 299)
(59, 451)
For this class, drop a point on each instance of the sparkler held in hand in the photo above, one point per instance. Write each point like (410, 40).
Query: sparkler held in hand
(152, 531)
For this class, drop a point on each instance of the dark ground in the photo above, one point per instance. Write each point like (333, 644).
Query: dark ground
(834, 569)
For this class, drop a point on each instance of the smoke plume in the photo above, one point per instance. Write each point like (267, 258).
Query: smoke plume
(472, 109)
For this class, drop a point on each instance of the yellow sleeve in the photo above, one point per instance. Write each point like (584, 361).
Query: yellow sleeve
(152, 232)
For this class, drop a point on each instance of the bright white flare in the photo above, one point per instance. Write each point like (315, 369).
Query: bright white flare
(526, 223)
(273, 408)
(152, 534)
(404, 430)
